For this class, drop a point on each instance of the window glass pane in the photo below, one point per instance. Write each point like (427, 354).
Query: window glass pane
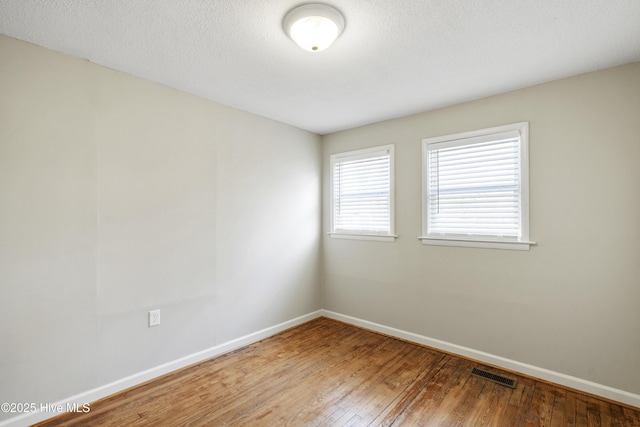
(362, 193)
(475, 189)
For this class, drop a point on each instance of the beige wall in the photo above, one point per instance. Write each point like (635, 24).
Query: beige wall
(118, 196)
(571, 304)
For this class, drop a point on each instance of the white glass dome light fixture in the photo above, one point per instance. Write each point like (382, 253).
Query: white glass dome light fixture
(314, 27)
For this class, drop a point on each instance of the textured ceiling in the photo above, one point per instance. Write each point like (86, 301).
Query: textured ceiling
(395, 57)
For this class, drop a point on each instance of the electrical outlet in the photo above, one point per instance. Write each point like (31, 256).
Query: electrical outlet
(154, 318)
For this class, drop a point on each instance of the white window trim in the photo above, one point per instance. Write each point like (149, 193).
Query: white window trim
(523, 243)
(364, 153)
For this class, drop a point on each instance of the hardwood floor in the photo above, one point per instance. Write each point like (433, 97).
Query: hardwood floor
(326, 373)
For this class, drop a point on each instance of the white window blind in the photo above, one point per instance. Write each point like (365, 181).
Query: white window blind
(476, 184)
(362, 192)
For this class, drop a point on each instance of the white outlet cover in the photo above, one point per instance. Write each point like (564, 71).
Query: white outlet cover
(154, 318)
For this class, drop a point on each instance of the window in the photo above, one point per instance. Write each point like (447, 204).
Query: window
(362, 199)
(475, 189)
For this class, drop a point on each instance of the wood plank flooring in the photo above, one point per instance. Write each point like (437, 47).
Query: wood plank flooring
(326, 373)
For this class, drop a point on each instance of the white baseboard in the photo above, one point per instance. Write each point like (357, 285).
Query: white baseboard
(512, 365)
(122, 384)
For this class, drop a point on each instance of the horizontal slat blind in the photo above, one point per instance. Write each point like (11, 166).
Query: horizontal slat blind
(474, 188)
(361, 194)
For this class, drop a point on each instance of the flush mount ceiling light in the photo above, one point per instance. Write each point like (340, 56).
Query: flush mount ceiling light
(314, 26)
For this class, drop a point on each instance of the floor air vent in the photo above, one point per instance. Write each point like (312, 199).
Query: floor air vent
(499, 379)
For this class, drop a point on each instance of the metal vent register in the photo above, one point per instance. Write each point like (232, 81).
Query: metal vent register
(498, 379)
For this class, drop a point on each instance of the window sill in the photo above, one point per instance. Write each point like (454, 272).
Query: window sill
(354, 236)
(477, 243)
